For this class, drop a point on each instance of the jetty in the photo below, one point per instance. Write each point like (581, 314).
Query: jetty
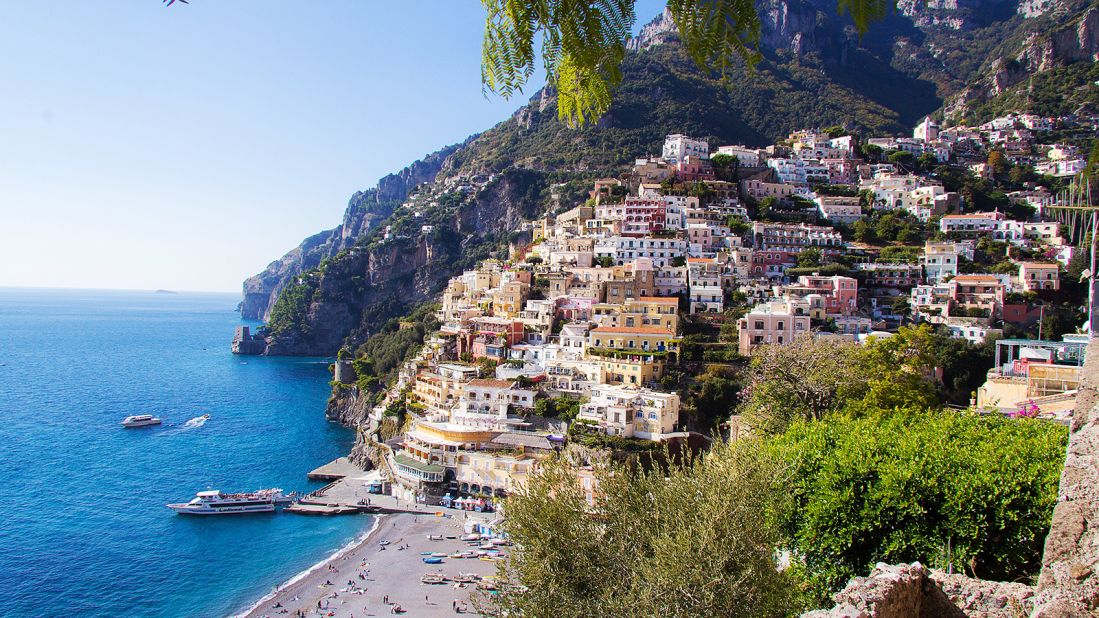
(335, 470)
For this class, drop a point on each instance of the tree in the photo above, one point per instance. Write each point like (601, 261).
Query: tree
(900, 306)
(872, 489)
(689, 538)
(809, 258)
(806, 379)
(584, 43)
(871, 151)
(997, 162)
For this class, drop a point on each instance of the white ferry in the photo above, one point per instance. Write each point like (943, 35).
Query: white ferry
(217, 503)
(140, 420)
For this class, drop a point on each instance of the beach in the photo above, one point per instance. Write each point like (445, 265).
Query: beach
(376, 571)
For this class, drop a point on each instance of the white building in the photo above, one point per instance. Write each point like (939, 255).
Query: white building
(485, 402)
(631, 412)
(748, 157)
(926, 131)
(678, 146)
(939, 260)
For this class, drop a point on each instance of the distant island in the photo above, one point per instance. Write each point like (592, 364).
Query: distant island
(165, 292)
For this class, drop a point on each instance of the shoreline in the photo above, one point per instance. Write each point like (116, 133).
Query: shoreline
(347, 548)
(383, 570)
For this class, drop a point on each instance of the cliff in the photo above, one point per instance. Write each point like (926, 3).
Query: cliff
(425, 242)
(816, 71)
(365, 210)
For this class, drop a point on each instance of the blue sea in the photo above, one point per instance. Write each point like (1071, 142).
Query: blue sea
(83, 527)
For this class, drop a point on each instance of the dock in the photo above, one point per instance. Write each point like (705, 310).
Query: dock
(335, 470)
(320, 509)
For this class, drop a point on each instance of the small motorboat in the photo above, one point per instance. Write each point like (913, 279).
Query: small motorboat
(140, 420)
(433, 578)
(438, 554)
(432, 560)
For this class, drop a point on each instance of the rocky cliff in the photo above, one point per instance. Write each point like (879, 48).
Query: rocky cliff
(816, 71)
(426, 241)
(365, 210)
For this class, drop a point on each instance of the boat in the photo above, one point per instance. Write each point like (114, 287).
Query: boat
(438, 554)
(140, 420)
(214, 502)
(465, 578)
(432, 560)
(433, 578)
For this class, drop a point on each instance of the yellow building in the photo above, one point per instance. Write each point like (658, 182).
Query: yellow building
(507, 300)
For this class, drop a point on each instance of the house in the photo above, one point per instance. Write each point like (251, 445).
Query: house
(631, 412)
(1037, 276)
(704, 290)
(486, 402)
(839, 209)
(678, 146)
(939, 260)
(838, 294)
(777, 322)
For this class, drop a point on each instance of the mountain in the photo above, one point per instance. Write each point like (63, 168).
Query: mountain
(468, 201)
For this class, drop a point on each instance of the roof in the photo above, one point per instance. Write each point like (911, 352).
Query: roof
(646, 330)
(667, 300)
(976, 215)
(1039, 264)
(976, 278)
(524, 439)
(405, 460)
(490, 382)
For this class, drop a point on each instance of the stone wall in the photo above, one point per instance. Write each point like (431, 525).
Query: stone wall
(913, 591)
(1068, 585)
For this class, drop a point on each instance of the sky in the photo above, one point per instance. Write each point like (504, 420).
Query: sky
(186, 147)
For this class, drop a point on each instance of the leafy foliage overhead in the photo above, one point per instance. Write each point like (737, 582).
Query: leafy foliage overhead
(584, 43)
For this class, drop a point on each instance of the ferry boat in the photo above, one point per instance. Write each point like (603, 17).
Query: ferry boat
(140, 420)
(214, 502)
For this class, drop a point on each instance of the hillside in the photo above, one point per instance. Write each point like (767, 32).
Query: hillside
(816, 71)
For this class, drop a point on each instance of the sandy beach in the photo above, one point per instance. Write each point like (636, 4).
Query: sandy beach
(375, 573)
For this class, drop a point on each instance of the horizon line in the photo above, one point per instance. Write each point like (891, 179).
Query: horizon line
(100, 289)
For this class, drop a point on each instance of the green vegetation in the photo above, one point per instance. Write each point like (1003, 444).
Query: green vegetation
(380, 356)
(291, 310)
(852, 463)
(934, 487)
(563, 408)
(584, 44)
(691, 539)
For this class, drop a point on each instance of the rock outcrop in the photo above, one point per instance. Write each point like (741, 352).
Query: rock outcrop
(913, 591)
(1069, 584)
(364, 210)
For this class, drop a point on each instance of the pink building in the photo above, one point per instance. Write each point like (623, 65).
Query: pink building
(840, 294)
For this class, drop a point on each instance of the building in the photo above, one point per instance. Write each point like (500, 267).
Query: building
(747, 157)
(939, 260)
(839, 209)
(777, 322)
(1037, 276)
(487, 402)
(678, 146)
(926, 131)
(838, 294)
(631, 412)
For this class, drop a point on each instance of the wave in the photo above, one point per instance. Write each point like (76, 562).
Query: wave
(339, 553)
(196, 422)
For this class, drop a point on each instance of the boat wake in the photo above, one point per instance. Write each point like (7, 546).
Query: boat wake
(196, 422)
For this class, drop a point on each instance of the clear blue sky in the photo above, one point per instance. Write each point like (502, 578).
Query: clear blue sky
(145, 147)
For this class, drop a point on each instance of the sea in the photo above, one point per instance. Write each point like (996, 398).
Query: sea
(83, 526)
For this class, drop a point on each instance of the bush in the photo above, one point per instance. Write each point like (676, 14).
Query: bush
(904, 487)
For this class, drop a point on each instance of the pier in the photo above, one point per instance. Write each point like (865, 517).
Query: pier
(348, 493)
